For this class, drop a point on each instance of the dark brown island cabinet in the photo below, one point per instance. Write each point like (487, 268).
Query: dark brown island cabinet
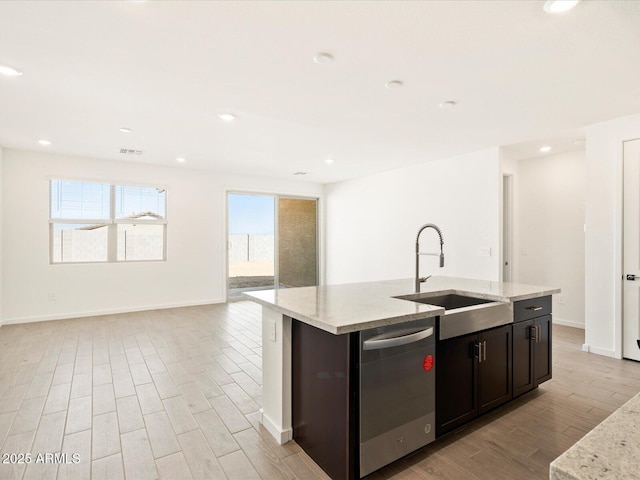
(480, 371)
(474, 374)
(324, 398)
(531, 344)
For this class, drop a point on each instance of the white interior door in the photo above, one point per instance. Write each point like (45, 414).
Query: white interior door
(631, 262)
(507, 227)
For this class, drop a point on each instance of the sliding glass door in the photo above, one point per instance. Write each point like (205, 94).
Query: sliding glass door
(272, 241)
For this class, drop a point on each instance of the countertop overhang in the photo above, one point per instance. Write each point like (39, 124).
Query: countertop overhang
(608, 452)
(352, 307)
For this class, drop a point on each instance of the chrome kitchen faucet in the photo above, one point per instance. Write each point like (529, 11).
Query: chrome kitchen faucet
(420, 279)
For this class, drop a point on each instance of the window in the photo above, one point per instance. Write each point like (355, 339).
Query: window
(99, 222)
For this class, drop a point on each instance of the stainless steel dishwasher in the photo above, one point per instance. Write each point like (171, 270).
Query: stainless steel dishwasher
(397, 391)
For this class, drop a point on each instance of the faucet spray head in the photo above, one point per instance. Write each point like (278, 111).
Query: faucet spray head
(441, 260)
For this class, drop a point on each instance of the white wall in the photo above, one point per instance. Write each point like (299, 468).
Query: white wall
(551, 210)
(603, 246)
(371, 222)
(1, 251)
(194, 272)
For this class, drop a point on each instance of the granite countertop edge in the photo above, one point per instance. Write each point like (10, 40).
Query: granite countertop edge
(608, 452)
(347, 308)
(342, 329)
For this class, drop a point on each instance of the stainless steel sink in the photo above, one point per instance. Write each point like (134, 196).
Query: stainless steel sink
(464, 314)
(450, 301)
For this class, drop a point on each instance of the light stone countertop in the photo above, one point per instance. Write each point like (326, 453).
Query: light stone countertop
(353, 307)
(611, 451)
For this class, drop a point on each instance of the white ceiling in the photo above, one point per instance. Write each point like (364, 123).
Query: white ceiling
(166, 69)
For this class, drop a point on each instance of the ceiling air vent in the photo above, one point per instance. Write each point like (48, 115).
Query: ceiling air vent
(130, 151)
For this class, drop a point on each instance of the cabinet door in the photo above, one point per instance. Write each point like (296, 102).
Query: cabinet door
(523, 346)
(456, 380)
(494, 368)
(325, 425)
(542, 349)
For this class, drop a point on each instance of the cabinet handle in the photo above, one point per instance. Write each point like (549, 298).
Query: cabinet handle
(479, 347)
(539, 333)
(536, 333)
(534, 309)
(482, 351)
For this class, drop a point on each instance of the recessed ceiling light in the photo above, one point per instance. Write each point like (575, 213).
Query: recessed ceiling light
(126, 130)
(559, 6)
(394, 84)
(329, 161)
(545, 149)
(8, 71)
(44, 143)
(301, 173)
(323, 58)
(227, 117)
(447, 104)
(181, 160)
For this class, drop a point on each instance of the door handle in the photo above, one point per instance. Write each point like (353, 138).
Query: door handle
(631, 277)
(484, 350)
(377, 344)
(534, 309)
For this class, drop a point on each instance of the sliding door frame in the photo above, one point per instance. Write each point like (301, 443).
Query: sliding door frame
(276, 241)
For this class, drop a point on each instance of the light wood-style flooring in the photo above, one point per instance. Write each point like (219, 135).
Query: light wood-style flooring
(175, 394)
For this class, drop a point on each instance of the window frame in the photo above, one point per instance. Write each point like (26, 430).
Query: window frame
(111, 224)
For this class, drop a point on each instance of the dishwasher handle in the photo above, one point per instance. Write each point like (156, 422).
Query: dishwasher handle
(378, 344)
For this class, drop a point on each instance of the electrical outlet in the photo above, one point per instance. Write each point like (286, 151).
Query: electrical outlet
(272, 331)
(52, 297)
(523, 251)
(561, 299)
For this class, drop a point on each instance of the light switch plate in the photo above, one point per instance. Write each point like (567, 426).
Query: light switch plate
(484, 252)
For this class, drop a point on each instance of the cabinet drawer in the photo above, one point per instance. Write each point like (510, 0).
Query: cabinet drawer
(531, 308)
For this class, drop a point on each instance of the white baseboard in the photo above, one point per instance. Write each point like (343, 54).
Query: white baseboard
(586, 347)
(600, 351)
(110, 311)
(568, 323)
(281, 436)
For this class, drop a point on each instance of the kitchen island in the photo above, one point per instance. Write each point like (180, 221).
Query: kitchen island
(327, 319)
